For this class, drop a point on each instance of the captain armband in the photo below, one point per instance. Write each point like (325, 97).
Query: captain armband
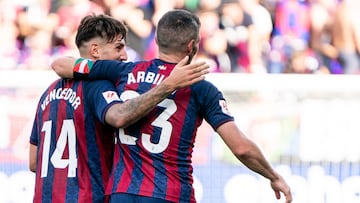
(82, 68)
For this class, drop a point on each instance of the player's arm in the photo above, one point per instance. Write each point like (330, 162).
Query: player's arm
(70, 67)
(32, 157)
(250, 155)
(63, 66)
(127, 113)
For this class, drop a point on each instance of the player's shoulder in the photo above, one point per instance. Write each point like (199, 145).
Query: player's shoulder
(97, 82)
(204, 88)
(58, 83)
(92, 86)
(203, 84)
(113, 63)
(148, 63)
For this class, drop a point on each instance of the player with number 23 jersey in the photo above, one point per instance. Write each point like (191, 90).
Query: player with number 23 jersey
(153, 157)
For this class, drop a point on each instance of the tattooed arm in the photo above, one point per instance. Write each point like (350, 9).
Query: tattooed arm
(127, 113)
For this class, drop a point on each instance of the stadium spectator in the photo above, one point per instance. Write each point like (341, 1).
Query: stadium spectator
(240, 35)
(70, 15)
(9, 49)
(263, 27)
(213, 44)
(346, 36)
(137, 16)
(291, 32)
(321, 33)
(298, 25)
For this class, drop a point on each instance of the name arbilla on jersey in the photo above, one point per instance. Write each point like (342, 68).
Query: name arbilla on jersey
(67, 94)
(148, 77)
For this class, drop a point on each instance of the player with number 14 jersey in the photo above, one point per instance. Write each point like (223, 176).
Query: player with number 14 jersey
(74, 149)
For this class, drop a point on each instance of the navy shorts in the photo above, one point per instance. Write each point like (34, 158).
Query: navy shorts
(130, 198)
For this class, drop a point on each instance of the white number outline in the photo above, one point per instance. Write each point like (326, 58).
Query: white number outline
(67, 135)
(161, 121)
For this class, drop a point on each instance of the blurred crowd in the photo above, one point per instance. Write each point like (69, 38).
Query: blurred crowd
(246, 36)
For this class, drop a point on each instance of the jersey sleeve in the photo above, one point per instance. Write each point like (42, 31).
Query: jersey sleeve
(82, 68)
(99, 70)
(34, 133)
(101, 96)
(213, 104)
(35, 128)
(109, 70)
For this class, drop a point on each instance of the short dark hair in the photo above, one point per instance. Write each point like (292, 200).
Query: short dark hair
(101, 25)
(175, 29)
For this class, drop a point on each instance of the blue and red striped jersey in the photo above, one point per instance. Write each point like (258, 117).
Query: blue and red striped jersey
(153, 157)
(74, 146)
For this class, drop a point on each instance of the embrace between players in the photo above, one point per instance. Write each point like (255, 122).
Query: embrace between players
(150, 109)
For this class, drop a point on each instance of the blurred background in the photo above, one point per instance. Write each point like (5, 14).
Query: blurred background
(288, 69)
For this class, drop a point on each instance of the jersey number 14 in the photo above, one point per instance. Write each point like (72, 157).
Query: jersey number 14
(67, 135)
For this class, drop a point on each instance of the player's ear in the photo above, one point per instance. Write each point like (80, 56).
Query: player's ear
(190, 47)
(94, 51)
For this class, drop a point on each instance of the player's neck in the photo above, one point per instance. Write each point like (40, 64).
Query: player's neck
(87, 56)
(170, 58)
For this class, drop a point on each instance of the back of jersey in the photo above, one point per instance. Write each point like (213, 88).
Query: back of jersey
(72, 159)
(154, 157)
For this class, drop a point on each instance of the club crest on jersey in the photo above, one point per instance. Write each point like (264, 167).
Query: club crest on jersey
(162, 67)
(224, 107)
(110, 96)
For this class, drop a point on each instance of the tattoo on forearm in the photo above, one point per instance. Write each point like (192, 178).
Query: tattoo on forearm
(138, 107)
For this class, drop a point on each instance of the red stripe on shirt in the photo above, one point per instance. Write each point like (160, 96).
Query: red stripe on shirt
(83, 173)
(60, 183)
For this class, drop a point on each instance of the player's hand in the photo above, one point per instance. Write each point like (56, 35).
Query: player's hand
(184, 74)
(280, 186)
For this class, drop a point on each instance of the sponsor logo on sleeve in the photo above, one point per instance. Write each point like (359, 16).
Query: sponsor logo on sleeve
(224, 107)
(110, 96)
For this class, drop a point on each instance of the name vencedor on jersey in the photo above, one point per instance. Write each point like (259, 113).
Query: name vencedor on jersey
(67, 94)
